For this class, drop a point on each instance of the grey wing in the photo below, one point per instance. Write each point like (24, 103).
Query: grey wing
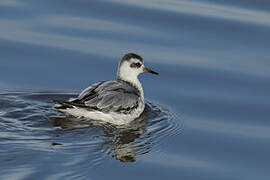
(90, 91)
(110, 96)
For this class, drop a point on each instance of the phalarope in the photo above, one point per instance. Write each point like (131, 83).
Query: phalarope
(117, 102)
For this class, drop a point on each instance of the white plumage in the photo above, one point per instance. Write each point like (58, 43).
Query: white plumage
(117, 102)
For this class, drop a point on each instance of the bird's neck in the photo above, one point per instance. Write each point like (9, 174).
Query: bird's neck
(133, 81)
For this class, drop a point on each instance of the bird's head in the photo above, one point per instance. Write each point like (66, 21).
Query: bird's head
(130, 66)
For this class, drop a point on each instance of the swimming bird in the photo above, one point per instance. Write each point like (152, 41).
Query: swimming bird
(118, 102)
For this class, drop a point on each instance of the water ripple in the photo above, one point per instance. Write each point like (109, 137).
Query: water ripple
(29, 123)
(213, 10)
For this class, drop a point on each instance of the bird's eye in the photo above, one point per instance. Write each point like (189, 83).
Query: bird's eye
(137, 65)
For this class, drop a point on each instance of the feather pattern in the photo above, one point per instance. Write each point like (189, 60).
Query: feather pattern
(116, 102)
(115, 96)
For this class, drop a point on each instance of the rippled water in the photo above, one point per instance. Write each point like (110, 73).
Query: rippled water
(208, 110)
(29, 127)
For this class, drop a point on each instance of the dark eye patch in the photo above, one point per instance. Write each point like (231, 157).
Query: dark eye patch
(137, 65)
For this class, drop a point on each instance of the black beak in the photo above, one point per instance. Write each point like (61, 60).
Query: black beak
(149, 70)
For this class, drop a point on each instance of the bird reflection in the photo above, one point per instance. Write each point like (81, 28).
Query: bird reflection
(119, 139)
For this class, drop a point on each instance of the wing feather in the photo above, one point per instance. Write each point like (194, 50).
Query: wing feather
(110, 96)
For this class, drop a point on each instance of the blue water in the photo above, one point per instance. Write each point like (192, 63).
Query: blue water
(208, 114)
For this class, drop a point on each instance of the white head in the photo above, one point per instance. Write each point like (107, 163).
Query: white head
(130, 67)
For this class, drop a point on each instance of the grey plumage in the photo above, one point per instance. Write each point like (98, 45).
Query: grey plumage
(109, 96)
(117, 102)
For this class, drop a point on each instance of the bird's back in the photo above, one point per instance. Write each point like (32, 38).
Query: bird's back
(109, 96)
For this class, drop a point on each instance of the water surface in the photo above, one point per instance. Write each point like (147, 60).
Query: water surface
(213, 88)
